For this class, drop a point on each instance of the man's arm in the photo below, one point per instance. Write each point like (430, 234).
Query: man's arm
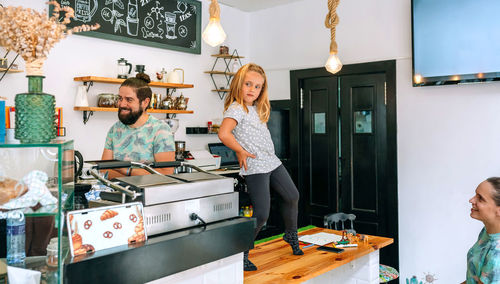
(108, 155)
(165, 157)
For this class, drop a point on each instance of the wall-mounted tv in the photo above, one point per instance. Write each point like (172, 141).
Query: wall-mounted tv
(455, 41)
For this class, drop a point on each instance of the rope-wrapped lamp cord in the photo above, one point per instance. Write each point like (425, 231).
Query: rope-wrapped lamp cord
(214, 10)
(331, 22)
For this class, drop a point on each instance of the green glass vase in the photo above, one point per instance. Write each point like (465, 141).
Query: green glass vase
(35, 113)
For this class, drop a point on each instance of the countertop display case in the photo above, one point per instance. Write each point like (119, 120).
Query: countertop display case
(38, 179)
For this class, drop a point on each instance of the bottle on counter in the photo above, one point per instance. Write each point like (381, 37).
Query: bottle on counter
(209, 126)
(16, 237)
(246, 211)
(250, 211)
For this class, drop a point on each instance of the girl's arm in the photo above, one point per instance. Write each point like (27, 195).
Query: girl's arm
(227, 137)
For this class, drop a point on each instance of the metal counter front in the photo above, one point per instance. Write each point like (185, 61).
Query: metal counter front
(163, 255)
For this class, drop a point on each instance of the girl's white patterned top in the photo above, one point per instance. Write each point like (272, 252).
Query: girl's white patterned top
(253, 135)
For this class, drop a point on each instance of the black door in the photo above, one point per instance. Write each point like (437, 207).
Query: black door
(319, 190)
(359, 106)
(364, 156)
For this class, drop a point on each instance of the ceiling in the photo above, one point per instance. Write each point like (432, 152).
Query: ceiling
(254, 5)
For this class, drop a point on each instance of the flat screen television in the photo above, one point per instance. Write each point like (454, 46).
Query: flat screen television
(455, 41)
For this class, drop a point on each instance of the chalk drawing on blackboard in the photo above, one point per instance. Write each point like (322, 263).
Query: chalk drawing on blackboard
(183, 31)
(193, 44)
(170, 23)
(83, 10)
(181, 7)
(144, 2)
(132, 18)
(149, 22)
(151, 34)
(112, 15)
(158, 11)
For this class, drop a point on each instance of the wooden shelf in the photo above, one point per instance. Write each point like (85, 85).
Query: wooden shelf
(221, 90)
(11, 70)
(89, 111)
(119, 81)
(220, 73)
(114, 109)
(228, 56)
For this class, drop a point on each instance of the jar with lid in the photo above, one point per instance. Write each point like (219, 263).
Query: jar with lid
(52, 256)
(107, 100)
(181, 103)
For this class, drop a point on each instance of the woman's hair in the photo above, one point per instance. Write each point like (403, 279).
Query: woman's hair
(140, 86)
(262, 102)
(495, 182)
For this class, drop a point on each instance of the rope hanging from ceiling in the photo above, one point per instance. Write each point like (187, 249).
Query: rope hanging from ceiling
(331, 21)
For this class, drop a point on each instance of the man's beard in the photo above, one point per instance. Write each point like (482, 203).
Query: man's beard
(131, 117)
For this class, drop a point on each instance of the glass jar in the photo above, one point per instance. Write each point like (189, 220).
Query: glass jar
(52, 256)
(107, 100)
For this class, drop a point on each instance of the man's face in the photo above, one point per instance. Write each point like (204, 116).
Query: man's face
(129, 106)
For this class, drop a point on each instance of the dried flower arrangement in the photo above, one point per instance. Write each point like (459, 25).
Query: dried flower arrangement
(32, 34)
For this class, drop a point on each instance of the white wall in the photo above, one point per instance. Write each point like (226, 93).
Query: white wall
(84, 56)
(447, 135)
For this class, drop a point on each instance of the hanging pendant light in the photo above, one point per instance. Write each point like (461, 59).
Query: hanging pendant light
(213, 33)
(333, 64)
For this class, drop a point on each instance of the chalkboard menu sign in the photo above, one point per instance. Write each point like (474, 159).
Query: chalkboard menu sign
(170, 24)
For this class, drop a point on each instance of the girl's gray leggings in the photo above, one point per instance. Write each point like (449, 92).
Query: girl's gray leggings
(259, 186)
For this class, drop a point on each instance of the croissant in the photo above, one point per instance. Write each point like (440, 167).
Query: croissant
(108, 214)
(77, 241)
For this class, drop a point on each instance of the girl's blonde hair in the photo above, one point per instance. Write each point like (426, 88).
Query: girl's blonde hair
(262, 102)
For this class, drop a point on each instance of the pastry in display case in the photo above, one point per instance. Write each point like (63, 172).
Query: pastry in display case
(38, 181)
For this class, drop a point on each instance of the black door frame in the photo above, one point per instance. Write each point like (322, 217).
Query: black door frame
(389, 68)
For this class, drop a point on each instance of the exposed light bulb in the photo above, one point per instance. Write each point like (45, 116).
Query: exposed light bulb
(417, 79)
(213, 33)
(333, 64)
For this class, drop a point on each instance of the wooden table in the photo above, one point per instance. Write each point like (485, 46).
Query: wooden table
(277, 264)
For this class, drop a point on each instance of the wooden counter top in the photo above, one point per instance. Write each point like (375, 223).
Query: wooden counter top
(277, 264)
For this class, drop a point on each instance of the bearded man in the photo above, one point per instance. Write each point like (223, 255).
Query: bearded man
(138, 136)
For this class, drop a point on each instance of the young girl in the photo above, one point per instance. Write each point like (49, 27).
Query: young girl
(483, 259)
(244, 129)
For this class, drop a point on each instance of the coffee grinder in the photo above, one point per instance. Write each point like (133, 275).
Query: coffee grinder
(180, 148)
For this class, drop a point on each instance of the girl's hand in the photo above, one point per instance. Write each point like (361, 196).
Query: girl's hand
(242, 158)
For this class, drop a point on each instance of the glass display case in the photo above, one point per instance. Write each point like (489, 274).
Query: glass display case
(45, 175)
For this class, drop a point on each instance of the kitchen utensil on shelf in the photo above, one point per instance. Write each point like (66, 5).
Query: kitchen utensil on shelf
(181, 103)
(124, 68)
(167, 102)
(174, 78)
(81, 99)
(107, 100)
(164, 75)
(140, 68)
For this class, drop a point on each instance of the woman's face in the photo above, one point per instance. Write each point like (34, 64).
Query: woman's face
(483, 205)
(252, 86)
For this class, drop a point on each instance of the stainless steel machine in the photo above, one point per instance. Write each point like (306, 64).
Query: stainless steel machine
(172, 202)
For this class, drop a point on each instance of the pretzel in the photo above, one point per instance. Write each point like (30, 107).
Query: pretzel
(87, 224)
(108, 214)
(107, 235)
(117, 225)
(133, 218)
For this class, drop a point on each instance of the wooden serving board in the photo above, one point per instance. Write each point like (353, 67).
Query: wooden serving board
(277, 264)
